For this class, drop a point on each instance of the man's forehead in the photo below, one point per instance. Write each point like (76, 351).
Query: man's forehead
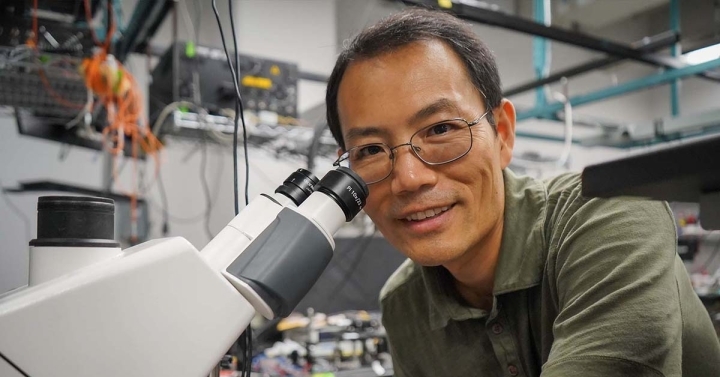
(440, 106)
(404, 87)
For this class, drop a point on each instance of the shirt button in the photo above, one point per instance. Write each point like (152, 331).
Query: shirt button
(497, 328)
(513, 370)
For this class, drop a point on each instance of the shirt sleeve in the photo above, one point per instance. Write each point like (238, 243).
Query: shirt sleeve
(618, 307)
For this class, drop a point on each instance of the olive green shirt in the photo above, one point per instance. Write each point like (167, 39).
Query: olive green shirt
(583, 287)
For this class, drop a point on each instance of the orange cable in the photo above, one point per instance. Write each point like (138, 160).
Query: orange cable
(117, 90)
(88, 19)
(119, 93)
(34, 41)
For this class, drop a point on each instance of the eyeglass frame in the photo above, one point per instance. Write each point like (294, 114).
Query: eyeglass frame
(391, 156)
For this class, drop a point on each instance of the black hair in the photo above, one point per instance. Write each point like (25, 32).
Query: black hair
(414, 25)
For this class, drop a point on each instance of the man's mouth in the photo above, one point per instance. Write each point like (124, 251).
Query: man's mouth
(427, 214)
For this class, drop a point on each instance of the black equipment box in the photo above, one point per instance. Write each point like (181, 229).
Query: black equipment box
(202, 74)
(68, 37)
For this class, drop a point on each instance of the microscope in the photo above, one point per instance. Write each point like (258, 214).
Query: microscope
(163, 308)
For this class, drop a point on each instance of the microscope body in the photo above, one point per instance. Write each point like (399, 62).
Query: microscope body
(155, 309)
(165, 308)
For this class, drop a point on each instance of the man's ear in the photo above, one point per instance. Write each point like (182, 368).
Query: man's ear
(340, 151)
(505, 126)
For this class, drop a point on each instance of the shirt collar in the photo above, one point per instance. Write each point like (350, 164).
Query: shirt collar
(520, 263)
(444, 302)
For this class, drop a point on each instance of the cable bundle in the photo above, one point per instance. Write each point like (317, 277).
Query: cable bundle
(120, 95)
(117, 91)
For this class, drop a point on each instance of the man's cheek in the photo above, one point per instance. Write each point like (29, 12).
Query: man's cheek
(373, 208)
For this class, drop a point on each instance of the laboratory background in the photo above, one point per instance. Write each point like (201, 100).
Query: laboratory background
(135, 101)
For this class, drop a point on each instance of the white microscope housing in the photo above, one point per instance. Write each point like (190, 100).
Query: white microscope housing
(163, 308)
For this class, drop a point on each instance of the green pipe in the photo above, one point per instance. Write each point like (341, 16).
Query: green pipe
(618, 90)
(540, 46)
(675, 50)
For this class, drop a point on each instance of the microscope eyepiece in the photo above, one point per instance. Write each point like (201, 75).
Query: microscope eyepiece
(346, 188)
(298, 243)
(298, 186)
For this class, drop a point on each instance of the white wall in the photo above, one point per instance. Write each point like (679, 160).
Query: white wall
(27, 159)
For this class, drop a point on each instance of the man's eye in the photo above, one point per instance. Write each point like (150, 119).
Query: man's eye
(368, 151)
(439, 129)
(445, 129)
(371, 150)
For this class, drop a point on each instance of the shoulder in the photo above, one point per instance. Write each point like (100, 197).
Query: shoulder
(602, 233)
(564, 187)
(568, 208)
(402, 277)
(604, 236)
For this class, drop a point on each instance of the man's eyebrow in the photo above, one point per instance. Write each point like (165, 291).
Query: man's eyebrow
(442, 104)
(357, 133)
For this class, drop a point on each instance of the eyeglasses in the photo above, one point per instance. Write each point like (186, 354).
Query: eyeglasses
(436, 144)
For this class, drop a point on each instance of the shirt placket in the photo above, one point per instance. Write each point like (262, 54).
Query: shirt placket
(501, 338)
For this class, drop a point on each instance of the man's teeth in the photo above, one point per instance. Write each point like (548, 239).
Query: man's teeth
(426, 214)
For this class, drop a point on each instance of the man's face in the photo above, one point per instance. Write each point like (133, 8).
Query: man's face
(389, 98)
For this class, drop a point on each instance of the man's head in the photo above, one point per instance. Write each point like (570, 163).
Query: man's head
(409, 71)
(411, 26)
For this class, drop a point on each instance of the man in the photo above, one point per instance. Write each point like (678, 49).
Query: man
(507, 275)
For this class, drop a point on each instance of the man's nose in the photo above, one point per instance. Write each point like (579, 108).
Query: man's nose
(410, 173)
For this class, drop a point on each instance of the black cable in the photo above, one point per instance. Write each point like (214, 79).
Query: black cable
(237, 100)
(247, 367)
(240, 112)
(164, 208)
(111, 180)
(238, 116)
(239, 104)
(242, 345)
(164, 199)
(235, 158)
(64, 151)
(206, 189)
(141, 175)
(145, 188)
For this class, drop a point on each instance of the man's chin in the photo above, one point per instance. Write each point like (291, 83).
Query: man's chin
(428, 254)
